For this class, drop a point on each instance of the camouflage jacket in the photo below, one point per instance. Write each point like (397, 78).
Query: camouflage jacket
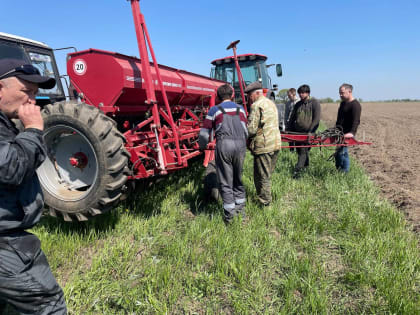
(263, 127)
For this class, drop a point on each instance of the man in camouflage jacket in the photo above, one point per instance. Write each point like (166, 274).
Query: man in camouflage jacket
(264, 140)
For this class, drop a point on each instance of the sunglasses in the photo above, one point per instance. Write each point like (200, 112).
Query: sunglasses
(25, 69)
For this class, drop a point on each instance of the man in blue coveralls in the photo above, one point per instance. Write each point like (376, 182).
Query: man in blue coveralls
(229, 122)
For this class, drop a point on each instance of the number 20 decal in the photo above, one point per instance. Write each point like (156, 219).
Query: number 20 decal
(79, 67)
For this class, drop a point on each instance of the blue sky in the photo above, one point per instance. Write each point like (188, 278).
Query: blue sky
(374, 45)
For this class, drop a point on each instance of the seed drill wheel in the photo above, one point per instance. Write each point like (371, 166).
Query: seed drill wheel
(85, 172)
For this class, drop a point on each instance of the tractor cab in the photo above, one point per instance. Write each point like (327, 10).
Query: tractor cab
(39, 55)
(253, 68)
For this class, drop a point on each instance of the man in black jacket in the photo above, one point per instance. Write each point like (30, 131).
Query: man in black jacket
(304, 119)
(26, 281)
(348, 119)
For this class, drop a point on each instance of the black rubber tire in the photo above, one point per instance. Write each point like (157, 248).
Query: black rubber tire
(112, 159)
(211, 184)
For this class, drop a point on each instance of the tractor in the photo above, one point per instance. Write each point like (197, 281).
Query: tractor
(241, 70)
(39, 55)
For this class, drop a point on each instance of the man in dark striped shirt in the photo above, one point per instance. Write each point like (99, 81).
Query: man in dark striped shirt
(229, 123)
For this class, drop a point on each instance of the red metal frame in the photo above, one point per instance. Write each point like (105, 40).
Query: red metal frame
(239, 72)
(174, 142)
(315, 140)
(143, 36)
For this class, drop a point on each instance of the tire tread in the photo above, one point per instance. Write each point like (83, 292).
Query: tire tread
(116, 158)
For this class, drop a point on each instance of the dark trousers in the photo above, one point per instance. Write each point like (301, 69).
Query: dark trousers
(303, 158)
(264, 165)
(292, 144)
(230, 156)
(26, 281)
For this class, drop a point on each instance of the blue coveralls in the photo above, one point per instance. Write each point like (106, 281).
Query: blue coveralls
(231, 134)
(230, 156)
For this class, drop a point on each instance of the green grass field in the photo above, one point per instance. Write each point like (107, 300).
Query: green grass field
(328, 244)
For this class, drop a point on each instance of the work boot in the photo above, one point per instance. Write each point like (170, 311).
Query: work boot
(297, 173)
(264, 204)
(228, 219)
(240, 209)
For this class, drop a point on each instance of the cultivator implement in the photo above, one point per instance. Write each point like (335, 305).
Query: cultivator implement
(332, 137)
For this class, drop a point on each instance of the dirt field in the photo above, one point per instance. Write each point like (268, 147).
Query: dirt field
(393, 161)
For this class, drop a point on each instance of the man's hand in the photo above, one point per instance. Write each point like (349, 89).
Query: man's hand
(30, 116)
(349, 135)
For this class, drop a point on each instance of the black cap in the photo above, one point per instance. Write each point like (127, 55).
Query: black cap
(253, 86)
(24, 71)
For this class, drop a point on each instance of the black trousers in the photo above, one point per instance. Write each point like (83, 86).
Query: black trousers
(303, 158)
(26, 281)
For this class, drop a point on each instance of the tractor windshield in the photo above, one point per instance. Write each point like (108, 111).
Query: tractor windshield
(227, 72)
(44, 64)
(252, 70)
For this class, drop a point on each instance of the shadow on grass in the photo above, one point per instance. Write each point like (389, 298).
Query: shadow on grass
(101, 223)
(145, 201)
(149, 195)
(317, 169)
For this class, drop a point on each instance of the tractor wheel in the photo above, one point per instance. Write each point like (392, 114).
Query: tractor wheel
(211, 184)
(86, 169)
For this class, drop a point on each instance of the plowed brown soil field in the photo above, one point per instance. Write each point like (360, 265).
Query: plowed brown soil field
(393, 161)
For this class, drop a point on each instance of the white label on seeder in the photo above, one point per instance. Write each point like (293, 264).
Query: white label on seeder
(79, 67)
